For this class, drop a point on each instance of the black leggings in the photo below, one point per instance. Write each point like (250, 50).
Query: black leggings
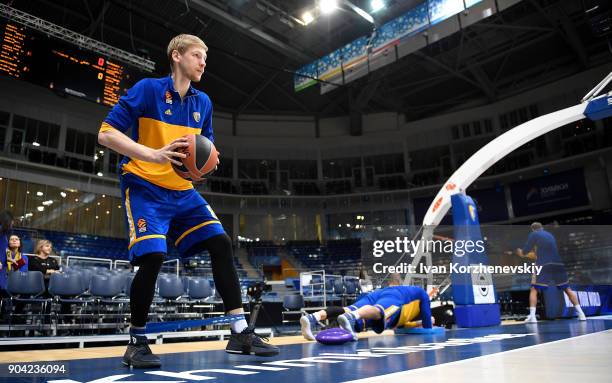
(224, 272)
(224, 275)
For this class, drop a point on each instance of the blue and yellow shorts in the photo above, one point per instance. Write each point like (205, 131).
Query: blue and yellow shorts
(552, 274)
(154, 213)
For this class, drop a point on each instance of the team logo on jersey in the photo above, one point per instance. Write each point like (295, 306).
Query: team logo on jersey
(196, 116)
(472, 211)
(168, 97)
(168, 112)
(142, 225)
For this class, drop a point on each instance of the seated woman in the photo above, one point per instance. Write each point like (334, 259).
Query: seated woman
(15, 260)
(42, 262)
(381, 309)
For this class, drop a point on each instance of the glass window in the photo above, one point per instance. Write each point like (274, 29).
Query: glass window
(54, 132)
(31, 131)
(488, 126)
(340, 167)
(465, 128)
(19, 122)
(523, 115)
(2, 137)
(79, 147)
(70, 140)
(477, 128)
(255, 169)
(91, 144)
(533, 110)
(225, 169)
(503, 122)
(4, 118)
(514, 119)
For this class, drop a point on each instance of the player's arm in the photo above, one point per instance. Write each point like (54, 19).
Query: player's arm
(526, 251)
(425, 310)
(113, 139)
(124, 115)
(207, 130)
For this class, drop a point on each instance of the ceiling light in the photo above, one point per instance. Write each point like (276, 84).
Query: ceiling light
(100, 174)
(327, 6)
(40, 208)
(63, 194)
(307, 17)
(377, 5)
(35, 143)
(40, 194)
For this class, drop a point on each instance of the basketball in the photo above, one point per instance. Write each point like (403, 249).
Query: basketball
(201, 158)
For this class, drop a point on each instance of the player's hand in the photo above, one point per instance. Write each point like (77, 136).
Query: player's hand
(170, 153)
(218, 161)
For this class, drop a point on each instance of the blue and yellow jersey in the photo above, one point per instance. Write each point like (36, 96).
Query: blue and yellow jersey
(400, 306)
(544, 245)
(157, 115)
(416, 306)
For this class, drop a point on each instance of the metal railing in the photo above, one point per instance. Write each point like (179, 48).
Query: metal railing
(178, 265)
(89, 260)
(307, 279)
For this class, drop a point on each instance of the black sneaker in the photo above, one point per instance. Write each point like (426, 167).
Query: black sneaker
(250, 343)
(139, 355)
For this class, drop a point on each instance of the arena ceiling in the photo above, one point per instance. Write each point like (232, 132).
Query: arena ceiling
(254, 49)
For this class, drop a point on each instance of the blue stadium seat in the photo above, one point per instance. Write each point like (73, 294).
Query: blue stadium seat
(293, 302)
(170, 287)
(339, 287)
(66, 284)
(107, 285)
(199, 288)
(31, 283)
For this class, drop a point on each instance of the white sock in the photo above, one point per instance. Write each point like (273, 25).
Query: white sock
(317, 316)
(239, 325)
(579, 309)
(532, 311)
(356, 315)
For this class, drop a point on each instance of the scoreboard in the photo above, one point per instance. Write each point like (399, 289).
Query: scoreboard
(34, 57)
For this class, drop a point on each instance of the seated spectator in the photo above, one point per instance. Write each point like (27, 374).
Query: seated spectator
(6, 223)
(15, 260)
(42, 262)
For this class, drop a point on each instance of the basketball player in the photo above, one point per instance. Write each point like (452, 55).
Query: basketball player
(542, 243)
(390, 307)
(159, 204)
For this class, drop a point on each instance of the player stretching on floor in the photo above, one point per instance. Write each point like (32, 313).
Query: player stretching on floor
(159, 203)
(542, 244)
(390, 307)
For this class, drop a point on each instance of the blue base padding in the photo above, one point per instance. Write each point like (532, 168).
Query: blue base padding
(419, 330)
(477, 315)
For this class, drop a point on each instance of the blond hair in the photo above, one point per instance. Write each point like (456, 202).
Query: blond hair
(40, 244)
(180, 43)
